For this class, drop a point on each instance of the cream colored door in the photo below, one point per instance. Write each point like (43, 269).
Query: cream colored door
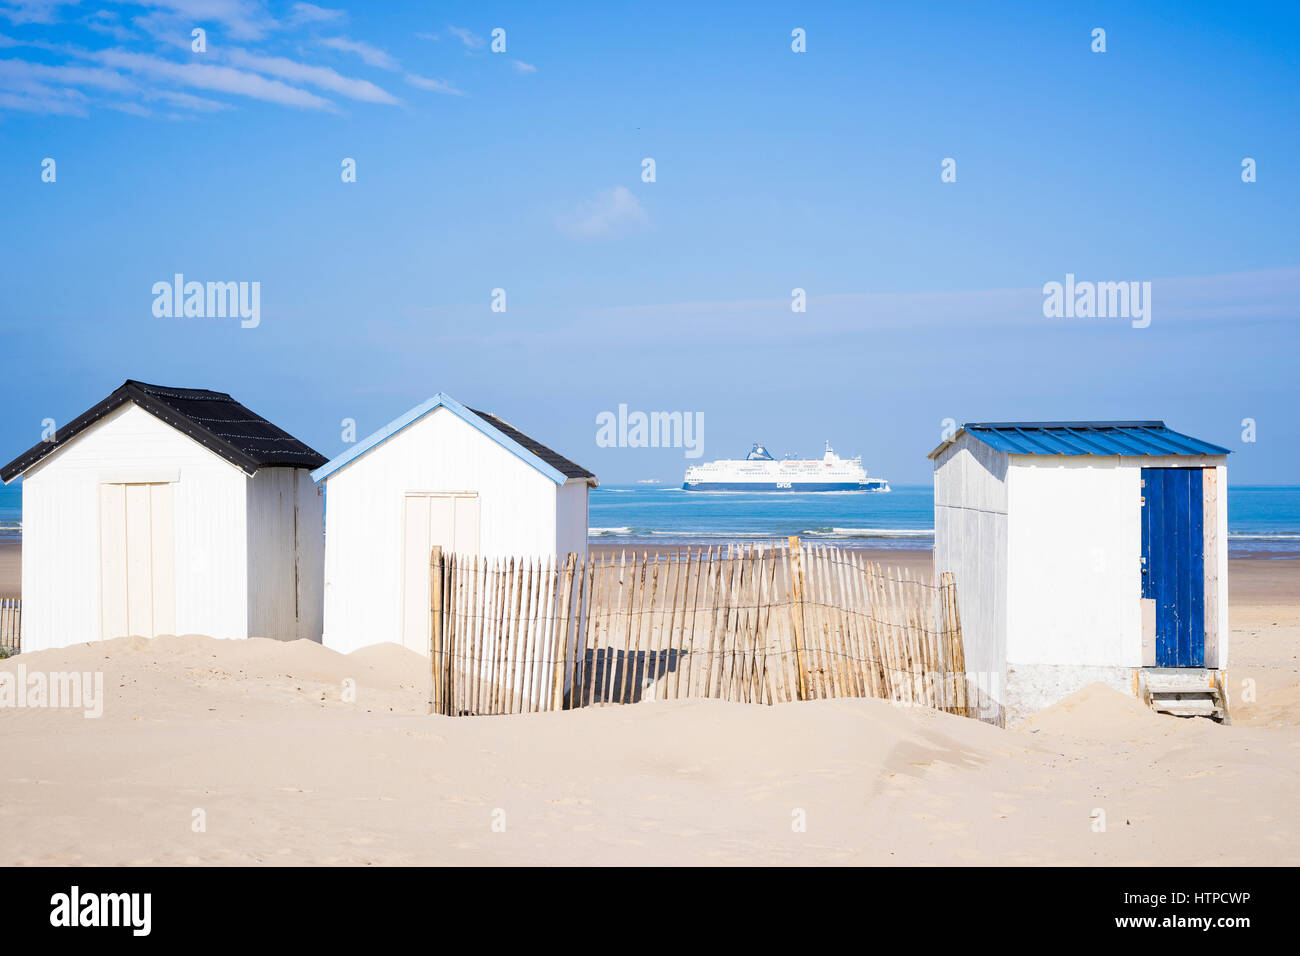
(137, 569)
(450, 520)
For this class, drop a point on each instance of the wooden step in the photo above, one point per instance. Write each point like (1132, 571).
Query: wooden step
(1186, 705)
(1184, 691)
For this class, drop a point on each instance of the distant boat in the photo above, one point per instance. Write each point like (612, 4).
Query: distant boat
(759, 471)
(648, 481)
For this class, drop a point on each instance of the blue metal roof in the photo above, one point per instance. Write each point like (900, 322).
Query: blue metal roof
(1085, 438)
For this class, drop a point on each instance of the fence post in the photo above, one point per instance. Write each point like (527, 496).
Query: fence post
(952, 619)
(436, 690)
(565, 594)
(796, 613)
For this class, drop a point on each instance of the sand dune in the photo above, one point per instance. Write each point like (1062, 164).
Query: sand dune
(259, 736)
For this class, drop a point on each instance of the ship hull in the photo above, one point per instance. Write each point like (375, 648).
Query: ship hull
(805, 486)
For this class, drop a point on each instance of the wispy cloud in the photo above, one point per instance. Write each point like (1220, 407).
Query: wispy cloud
(108, 23)
(138, 69)
(239, 19)
(223, 79)
(187, 101)
(132, 109)
(370, 54)
(612, 213)
(301, 13)
(13, 73)
(436, 86)
(469, 38)
(43, 100)
(522, 67)
(31, 11)
(321, 77)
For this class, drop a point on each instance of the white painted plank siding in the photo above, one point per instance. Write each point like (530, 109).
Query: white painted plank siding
(571, 517)
(1046, 552)
(242, 558)
(521, 512)
(61, 546)
(971, 541)
(285, 555)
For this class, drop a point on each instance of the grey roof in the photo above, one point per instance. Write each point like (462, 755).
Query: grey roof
(553, 458)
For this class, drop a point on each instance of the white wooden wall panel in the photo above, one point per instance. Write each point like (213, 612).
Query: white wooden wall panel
(61, 547)
(971, 542)
(364, 504)
(139, 569)
(311, 557)
(464, 537)
(137, 589)
(112, 561)
(571, 518)
(1224, 629)
(1075, 537)
(1075, 545)
(285, 555)
(450, 521)
(162, 557)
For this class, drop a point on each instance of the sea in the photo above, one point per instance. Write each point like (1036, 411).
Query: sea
(1263, 521)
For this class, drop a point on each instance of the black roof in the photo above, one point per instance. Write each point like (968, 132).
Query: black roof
(213, 419)
(557, 461)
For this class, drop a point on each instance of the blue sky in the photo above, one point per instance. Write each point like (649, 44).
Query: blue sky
(775, 170)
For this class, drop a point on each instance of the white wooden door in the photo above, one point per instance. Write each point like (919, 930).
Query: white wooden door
(137, 571)
(450, 520)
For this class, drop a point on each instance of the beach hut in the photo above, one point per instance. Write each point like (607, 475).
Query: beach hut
(441, 474)
(1086, 552)
(169, 511)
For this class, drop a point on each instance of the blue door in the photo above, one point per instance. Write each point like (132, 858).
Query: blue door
(1173, 562)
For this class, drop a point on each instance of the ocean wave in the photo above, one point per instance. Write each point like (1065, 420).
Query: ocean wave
(718, 534)
(871, 532)
(724, 535)
(684, 533)
(1276, 536)
(783, 493)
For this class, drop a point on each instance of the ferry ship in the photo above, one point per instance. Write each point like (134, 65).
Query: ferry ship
(759, 471)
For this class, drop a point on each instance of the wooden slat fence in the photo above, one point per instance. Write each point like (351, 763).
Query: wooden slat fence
(11, 625)
(760, 624)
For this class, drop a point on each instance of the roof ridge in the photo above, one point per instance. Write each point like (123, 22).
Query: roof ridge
(177, 391)
(1151, 423)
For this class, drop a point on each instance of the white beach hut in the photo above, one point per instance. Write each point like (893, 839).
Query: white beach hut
(442, 474)
(169, 511)
(1086, 552)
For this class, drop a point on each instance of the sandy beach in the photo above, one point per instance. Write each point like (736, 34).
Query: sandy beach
(257, 740)
(11, 568)
(919, 561)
